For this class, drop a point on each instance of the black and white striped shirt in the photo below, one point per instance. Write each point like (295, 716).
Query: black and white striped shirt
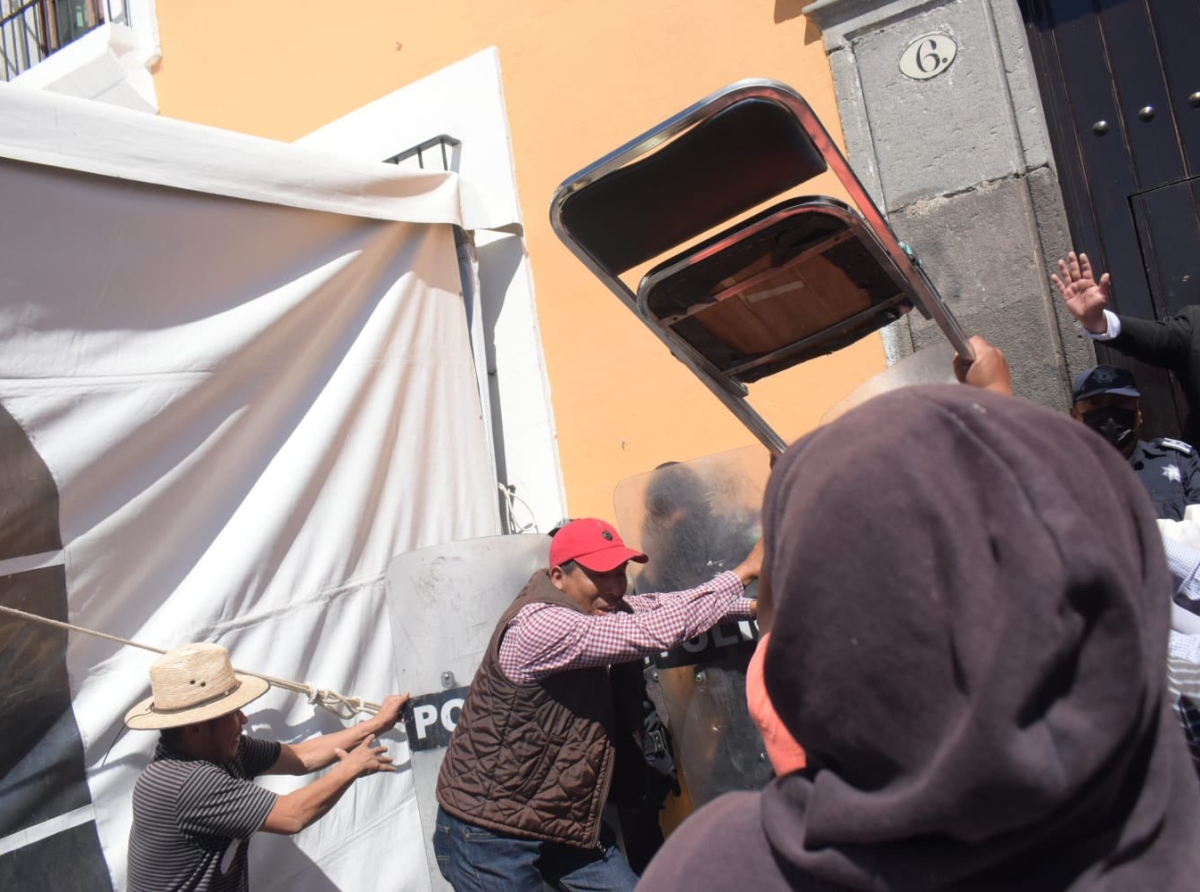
(192, 820)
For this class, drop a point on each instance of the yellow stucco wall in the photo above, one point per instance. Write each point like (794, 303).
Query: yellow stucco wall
(580, 78)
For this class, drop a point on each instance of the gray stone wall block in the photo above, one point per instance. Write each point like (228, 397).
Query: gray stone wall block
(856, 130)
(963, 164)
(897, 340)
(840, 19)
(942, 135)
(1078, 349)
(1023, 92)
(844, 21)
(977, 247)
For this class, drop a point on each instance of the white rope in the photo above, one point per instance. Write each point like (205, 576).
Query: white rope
(343, 707)
(510, 500)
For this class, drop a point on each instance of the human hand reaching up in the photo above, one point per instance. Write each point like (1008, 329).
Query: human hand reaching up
(1084, 296)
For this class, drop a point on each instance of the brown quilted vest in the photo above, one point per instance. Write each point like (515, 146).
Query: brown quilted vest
(533, 760)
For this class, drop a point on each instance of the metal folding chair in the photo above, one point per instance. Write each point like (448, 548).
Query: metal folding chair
(802, 278)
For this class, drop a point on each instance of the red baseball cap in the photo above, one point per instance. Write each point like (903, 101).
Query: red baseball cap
(592, 543)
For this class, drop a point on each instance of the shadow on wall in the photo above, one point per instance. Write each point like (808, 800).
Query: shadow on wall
(499, 262)
(789, 9)
(786, 10)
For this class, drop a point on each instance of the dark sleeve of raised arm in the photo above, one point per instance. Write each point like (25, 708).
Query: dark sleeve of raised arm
(1191, 482)
(1164, 344)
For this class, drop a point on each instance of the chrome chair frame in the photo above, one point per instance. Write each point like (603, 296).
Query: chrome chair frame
(881, 241)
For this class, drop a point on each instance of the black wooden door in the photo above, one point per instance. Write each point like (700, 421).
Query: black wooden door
(1120, 81)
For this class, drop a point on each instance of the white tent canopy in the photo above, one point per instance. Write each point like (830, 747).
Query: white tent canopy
(77, 134)
(243, 371)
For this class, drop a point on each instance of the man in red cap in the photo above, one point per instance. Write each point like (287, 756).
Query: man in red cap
(530, 765)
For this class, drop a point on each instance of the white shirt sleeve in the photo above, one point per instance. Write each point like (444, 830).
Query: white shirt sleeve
(1184, 564)
(1182, 646)
(1114, 328)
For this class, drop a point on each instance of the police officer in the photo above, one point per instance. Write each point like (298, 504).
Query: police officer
(1107, 400)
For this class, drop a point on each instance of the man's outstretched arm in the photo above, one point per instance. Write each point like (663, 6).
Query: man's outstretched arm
(296, 810)
(320, 752)
(1165, 344)
(544, 639)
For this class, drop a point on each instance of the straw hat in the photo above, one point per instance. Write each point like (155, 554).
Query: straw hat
(190, 684)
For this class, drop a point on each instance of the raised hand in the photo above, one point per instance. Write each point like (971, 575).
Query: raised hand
(366, 758)
(1084, 296)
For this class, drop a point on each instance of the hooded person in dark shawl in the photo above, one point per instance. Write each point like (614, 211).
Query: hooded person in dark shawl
(968, 639)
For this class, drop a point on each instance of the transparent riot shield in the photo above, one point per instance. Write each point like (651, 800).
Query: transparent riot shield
(444, 603)
(933, 365)
(695, 519)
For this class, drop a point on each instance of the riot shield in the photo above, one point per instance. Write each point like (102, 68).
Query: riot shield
(695, 519)
(933, 365)
(444, 603)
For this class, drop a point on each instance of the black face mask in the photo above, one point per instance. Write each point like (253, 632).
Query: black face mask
(1117, 425)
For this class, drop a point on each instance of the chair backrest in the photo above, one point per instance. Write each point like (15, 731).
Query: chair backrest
(801, 279)
(740, 157)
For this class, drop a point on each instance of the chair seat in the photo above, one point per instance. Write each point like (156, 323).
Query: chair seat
(801, 279)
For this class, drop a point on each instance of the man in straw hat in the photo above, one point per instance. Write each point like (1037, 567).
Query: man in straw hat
(195, 807)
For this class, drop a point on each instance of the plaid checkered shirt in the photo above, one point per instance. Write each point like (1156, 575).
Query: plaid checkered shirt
(543, 639)
(1183, 651)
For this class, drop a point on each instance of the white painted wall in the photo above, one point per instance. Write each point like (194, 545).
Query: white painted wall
(466, 101)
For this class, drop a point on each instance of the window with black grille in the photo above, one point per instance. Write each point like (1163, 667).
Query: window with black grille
(439, 153)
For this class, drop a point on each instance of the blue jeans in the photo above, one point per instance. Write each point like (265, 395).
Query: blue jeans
(473, 859)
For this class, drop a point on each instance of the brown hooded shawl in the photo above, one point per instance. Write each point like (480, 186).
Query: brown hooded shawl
(971, 611)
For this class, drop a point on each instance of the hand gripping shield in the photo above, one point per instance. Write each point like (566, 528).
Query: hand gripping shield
(696, 519)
